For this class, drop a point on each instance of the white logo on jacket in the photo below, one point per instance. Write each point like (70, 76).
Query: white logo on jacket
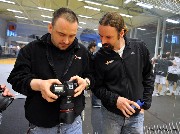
(76, 57)
(132, 52)
(109, 62)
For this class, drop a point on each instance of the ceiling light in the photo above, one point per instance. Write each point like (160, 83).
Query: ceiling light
(93, 8)
(95, 3)
(127, 1)
(111, 6)
(21, 17)
(46, 21)
(167, 5)
(79, 27)
(45, 16)
(95, 29)
(144, 5)
(80, 0)
(22, 42)
(172, 21)
(6, 1)
(46, 9)
(141, 28)
(126, 15)
(15, 11)
(82, 23)
(84, 16)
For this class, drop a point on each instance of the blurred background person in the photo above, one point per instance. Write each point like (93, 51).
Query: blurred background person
(92, 49)
(161, 68)
(173, 74)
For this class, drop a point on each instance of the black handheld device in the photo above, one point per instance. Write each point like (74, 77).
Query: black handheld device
(139, 102)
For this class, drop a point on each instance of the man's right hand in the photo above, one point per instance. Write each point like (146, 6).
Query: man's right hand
(6, 91)
(125, 106)
(44, 87)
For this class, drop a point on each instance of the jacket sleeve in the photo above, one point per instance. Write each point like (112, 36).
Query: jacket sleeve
(21, 76)
(88, 70)
(148, 78)
(107, 97)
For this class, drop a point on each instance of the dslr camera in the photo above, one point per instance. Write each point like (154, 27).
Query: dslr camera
(66, 108)
(5, 101)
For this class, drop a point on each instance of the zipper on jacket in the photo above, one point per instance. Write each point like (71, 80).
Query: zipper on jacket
(127, 86)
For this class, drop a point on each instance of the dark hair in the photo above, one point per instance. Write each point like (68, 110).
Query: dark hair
(176, 54)
(65, 13)
(163, 56)
(113, 19)
(168, 54)
(91, 45)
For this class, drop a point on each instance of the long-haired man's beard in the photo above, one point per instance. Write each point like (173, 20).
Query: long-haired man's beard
(108, 45)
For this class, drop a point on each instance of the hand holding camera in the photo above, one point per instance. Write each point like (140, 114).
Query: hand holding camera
(65, 89)
(66, 93)
(82, 84)
(5, 101)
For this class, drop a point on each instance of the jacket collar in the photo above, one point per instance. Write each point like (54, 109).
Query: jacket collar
(108, 50)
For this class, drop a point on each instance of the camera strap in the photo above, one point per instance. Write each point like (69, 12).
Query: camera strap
(70, 59)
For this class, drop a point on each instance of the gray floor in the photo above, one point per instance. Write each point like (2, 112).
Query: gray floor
(163, 116)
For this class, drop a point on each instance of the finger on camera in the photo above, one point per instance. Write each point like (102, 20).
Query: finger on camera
(49, 99)
(53, 96)
(74, 78)
(3, 86)
(56, 81)
(77, 89)
(77, 94)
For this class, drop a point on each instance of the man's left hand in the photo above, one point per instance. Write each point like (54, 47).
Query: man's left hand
(82, 84)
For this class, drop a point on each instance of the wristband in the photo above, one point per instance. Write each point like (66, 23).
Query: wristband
(88, 84)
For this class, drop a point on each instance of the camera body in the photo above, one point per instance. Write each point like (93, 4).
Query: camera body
(65, 89)
(5, 101)
(66, 92)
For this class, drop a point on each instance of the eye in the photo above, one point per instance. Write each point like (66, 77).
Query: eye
(108, 37)
(72, 36)
(61, 34)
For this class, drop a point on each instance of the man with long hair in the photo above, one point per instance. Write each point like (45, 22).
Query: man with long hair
(124, 77)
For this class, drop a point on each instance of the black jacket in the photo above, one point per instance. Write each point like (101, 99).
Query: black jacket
(130, 76)
(40, 59)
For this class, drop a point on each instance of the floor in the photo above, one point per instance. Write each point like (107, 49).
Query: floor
(163, 116)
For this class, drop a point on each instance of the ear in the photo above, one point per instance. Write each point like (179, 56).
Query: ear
(50, 27)
(121, 33)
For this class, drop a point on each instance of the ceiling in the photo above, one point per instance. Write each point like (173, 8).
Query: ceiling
(142, 17)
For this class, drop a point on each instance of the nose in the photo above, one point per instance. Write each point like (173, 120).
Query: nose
(66, 40)
(103, 40)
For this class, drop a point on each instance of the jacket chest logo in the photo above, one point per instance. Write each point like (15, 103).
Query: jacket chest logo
(109, 62)
(132, 53)
(76, 57)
